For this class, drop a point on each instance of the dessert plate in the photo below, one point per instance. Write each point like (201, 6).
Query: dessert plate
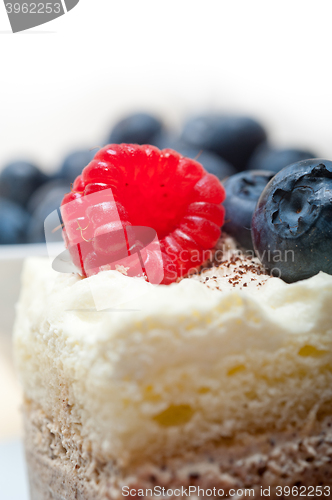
(13, 479)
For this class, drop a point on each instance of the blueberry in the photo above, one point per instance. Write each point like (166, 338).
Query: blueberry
(74, 163)
(138, 128)
(210, 161)
(292, 223)
(234, 138)
(165, 139)
(242, 193)
(44, 201)
(14, 222)
(18, 180)
(275, 159)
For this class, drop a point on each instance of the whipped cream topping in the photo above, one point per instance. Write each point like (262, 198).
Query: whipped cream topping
(231, 267)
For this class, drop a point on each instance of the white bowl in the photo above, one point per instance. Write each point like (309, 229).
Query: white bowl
(11, 263)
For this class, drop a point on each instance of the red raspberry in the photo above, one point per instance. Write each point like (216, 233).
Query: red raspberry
(161, 190)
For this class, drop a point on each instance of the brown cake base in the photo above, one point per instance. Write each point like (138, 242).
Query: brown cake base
(61, 467)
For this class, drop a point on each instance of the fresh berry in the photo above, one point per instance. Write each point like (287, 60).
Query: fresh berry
(14, 222)
(292, 223)
(150, 188)
(275, 159)
(74, 163)
(43, 202)
(242, 193)
(212, 163)
(18, 180)
(234, 138)
(138, 128)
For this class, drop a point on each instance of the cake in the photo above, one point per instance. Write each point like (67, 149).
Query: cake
(218, 384)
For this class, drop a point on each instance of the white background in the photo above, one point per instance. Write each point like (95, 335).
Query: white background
(64, 83)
